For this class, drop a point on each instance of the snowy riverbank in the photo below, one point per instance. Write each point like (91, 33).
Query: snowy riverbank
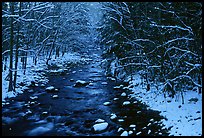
(33, 75)
(185, 119)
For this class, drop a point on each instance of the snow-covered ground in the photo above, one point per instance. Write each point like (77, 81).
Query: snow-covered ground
(32, 75)
(185, 119)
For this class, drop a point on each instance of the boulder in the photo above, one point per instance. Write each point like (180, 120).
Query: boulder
(80, 83)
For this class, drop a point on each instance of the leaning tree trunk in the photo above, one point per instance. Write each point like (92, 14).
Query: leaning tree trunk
(10, 88)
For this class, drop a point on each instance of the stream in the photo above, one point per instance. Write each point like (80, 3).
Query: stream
(76, 109)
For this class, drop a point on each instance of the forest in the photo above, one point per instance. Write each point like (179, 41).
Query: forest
(140, 51)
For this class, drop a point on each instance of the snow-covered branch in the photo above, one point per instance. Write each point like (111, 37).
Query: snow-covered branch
(173, 27)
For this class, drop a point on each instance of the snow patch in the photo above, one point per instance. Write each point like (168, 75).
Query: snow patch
(100, 127)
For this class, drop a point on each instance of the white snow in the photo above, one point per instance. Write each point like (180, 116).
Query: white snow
(121, 120)
(100, 126)
(113, 116)
(120, 129)
(115, 99)
(81, 82)
(130, 132)
(123, 94)
(50, 88)
(33, 97)
(186, 120)
(91, 84)
(126, 103)
(106, 103)
(138, 133)
(44, 113)
(132, 126)
(55, 96)
(104, 83)
(125, 133)
(32, 75)
(99, 121)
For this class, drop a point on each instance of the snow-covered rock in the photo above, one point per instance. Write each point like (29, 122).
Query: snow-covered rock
(33, 97)
(80, 83)
(44, 113)
(138, 133)
(120, 120)
(149, 131)
(126, 103)
(71, 80)
(50, 88)
(113, 116)
(55, 96)
(91, 84)
(100, 127)
(151, 120)
(130, 132)
(123, 94)
(115, 99)
(132, 126)
(73, 72)
(106, 103)
(125, 133)
(99, 121)
(104, 83)
(120, 129)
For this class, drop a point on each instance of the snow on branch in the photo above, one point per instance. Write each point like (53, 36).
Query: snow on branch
(34, 20)
(170, 41)
(185, 76)
(145, 40)
(173, 27)
(183, 50)
(118, 22)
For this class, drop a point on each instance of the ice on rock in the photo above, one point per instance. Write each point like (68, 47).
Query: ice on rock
(99, 121)
(125, 133)
(106, 103)
(123, 94)
(126, 103)
(100, 127)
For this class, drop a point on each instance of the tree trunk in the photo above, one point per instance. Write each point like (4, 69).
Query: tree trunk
(199, 82)
(17, 46)
(10, 88)
(53, 44)
(25, 61)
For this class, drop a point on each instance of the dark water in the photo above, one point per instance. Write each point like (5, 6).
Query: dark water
(75, 110)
